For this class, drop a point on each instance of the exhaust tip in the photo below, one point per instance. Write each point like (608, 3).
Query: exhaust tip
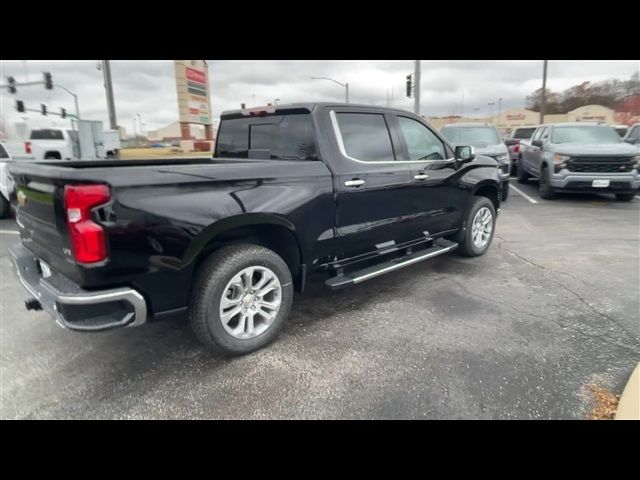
(32, 304)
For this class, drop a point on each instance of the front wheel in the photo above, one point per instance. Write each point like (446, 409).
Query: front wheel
(544, 183)
(523, 176)
(624, 197)
(241, 297)
(475, 238)
(505, 191)
(5, 207)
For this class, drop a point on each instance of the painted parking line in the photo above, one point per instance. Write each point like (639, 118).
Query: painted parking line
(10, 232)
(532, 200)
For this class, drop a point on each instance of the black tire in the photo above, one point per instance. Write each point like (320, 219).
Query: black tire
(51, 156)
(544, 184)
(466, 247)
(504, 191)
(210, 281)
(5, 207)
(624, 197)
(523, 176)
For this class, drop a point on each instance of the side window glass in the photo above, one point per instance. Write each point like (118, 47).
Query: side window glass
(365, 137)
(422, 143)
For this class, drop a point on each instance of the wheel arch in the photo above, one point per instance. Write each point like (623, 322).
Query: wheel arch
(268, 230)
(489, 189)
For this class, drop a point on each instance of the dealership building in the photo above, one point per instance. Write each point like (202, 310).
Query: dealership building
(521, 117)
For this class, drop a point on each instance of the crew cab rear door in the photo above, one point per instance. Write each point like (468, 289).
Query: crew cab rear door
(436, 200)
(373, 209)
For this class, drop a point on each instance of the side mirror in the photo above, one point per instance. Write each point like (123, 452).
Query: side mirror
(537, 143)
(465, 154)
(510, 141)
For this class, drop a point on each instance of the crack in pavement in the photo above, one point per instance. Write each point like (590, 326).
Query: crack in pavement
(636, 341)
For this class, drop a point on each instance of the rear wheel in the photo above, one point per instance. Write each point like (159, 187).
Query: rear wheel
(544, 183)
(241, 297)
(624, 197)
(5, 207)
(475, 238)
(523, 176)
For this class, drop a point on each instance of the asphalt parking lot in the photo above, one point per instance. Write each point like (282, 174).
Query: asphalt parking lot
(516, 334)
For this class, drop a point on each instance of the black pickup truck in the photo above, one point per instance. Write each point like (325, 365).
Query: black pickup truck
(347, 191)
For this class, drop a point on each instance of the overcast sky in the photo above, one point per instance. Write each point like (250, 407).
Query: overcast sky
(148, 87)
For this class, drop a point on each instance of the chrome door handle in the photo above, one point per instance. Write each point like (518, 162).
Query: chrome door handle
(421, 176)
(353, 183)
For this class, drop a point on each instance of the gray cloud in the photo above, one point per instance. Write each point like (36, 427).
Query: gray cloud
(147, 87)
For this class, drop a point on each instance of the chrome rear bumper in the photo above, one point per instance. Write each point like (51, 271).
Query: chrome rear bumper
(70, 305)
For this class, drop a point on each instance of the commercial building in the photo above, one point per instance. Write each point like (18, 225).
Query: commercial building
(521, 117)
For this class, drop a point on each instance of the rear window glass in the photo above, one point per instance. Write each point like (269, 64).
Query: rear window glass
(286, 137)
(524, 133)
(46, 134)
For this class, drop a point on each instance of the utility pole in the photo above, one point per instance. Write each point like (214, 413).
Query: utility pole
(499, 110)
(106, 70)
(544, 92)
(416, 97)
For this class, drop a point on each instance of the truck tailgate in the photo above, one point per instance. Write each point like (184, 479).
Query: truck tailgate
(40, 218)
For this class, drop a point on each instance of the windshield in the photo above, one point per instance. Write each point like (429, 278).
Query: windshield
(523, 133)
(588, 134)
(472, 135)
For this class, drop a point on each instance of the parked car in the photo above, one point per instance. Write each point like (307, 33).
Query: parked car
(518, 135)
(486, 141)
(6, 184)
(347, 191)
(580, 157)
(633, 135)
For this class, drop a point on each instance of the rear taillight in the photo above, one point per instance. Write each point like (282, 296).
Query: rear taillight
(88, 240)
(516, 147)
(27, 147)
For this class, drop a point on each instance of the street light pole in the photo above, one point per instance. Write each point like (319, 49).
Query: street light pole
(106, 70)
(416, 96)
(345, 85)
(544, 92)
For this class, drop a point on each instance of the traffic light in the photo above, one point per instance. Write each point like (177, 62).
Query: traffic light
(409, 85)
(48, 83)
(43, 107)
(63, 113)
(20, 105)
(12, 84)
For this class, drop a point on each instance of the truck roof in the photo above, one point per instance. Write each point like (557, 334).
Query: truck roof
(309, 106)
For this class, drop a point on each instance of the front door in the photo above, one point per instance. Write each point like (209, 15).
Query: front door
(436, 200)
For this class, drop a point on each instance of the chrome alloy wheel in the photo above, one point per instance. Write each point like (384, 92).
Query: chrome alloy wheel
(250, 302)
(481, 227)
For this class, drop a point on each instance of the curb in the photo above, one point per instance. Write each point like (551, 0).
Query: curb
(629, 405)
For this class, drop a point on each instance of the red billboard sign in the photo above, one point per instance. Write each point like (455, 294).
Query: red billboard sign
(196, 75)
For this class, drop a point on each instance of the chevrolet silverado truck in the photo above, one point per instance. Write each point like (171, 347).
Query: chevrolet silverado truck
(486, 140)
(341, 190)
(580, 157)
